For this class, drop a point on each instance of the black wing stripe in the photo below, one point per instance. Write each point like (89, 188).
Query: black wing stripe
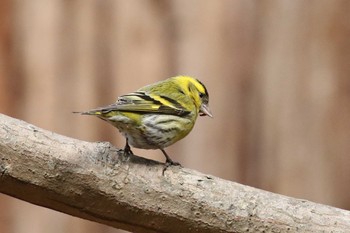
(149, 98)
(174, 102)
(142, 96)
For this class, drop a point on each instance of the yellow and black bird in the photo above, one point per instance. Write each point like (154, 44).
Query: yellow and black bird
(157, 115)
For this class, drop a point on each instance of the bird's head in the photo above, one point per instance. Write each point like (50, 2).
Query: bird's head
(198, 92)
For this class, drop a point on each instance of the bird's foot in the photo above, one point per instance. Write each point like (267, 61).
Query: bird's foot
(169, 163)
(127, 151)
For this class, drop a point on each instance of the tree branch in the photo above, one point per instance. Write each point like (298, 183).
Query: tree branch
(95, 181)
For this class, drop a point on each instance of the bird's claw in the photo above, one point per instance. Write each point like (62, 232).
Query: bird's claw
(169, 163)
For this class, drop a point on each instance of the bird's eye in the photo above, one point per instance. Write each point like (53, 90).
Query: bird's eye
(201, 95)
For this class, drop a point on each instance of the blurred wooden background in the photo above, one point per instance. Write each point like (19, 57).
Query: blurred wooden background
(278, 74)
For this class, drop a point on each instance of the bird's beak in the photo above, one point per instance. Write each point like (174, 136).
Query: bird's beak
(205, 111)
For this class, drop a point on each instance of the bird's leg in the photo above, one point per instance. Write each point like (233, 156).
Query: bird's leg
(168, 162)
(127, 149)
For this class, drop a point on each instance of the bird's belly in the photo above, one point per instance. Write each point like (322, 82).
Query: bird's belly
(155, 131)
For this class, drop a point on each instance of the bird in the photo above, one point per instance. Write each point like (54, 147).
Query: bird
(157, 115)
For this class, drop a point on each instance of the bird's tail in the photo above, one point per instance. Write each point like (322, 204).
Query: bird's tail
(95, 112)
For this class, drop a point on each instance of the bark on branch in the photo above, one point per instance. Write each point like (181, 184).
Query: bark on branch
(95, 181)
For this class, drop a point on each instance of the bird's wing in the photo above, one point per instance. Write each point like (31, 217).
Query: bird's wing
(142, 102)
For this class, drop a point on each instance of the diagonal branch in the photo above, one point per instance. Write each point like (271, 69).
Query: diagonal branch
(95, 181)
